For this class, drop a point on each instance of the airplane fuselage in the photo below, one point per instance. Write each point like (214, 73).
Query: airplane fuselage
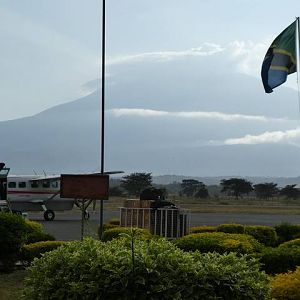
(35, 193)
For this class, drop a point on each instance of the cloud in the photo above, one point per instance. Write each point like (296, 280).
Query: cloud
(200, 115)
(269, 137)
(207, 49)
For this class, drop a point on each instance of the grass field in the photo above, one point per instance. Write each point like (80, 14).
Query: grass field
(11, 285)
(276, 206)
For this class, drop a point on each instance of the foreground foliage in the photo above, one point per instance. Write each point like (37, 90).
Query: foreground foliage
(142, 269)
(12, 235)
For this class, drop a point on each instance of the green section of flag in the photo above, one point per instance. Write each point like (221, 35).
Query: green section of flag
(285, 43)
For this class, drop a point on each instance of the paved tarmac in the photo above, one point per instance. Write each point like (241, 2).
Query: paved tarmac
(67, 225)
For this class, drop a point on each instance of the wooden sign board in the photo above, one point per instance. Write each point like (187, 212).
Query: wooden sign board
(93, 187)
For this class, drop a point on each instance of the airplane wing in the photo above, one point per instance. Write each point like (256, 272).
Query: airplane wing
(48, 178)
(108, 173)
(58, 177)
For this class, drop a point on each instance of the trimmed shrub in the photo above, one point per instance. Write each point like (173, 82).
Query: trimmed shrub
(12, 235)
(264, 234)
(286, 286)
(113, 233)
(201, 229)
(280, 260)
(35, 233)
(231, 228)
(219, 242)
(287, 232)
(106, 226)
(153, 269)
(291, 244)
(35, 250)
(114, 221)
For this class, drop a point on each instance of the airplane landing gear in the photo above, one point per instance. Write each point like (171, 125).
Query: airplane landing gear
(49, 215)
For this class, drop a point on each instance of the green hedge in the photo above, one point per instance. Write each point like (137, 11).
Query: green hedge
(35, 250)
(280, 260)
(219, 242)
(201, 229)
(12, 235)
(264, 234)
(291, 244)
(113, 233)
(156, 269)
(114, 221)
(287, 232)
(34, 233)
(231, 228)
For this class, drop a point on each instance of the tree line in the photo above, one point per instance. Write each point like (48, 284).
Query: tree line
(135, 184)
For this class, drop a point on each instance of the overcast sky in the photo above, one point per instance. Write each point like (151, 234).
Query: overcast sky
(51, 49)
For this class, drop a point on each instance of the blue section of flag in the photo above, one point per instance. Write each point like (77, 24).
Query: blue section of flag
(273, 77)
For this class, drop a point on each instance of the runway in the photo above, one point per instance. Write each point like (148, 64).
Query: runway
(67, 225)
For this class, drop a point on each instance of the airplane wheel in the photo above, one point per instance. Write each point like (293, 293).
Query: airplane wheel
(86, 215)
(49, 215)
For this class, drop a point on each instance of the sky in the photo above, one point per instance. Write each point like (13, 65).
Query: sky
(50, 51)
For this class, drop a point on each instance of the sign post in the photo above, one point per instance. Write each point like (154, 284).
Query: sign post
(84, 189)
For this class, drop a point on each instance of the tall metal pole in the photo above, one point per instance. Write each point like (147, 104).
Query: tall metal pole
(297, 48)
(102, 111)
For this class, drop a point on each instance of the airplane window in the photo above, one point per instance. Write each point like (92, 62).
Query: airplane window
(34, 184)
(12, 185)
(54, 184)
(22, 185)
(46, 184)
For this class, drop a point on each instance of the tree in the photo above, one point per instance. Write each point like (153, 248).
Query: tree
(135, 183)
(290, 191)
(189, 187)
(202, 191)
(236, 186)
(153, 193)
(192, 187)
(265, 190)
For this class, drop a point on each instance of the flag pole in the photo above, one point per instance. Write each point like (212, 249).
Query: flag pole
(102, 111)
(297, 39)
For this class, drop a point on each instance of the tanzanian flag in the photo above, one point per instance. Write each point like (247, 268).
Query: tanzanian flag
(280, 59)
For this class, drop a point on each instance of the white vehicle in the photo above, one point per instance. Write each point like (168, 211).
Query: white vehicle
(35, 193)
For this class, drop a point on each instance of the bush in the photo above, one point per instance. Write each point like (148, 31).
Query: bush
(219, 242)
(156, 269)
(12, 236)
(201, 229)
(264, 234)
(286, 286)
(231, 228)
(114, 221)
(35, 250)
(35, 233)
(287, 232)
(113, 233)
(106, 226)
(280, 260)
(291, 244)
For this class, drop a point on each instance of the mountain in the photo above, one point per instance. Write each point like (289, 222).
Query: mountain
(160, 130)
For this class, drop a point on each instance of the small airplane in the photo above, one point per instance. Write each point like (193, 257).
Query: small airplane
(35, 193)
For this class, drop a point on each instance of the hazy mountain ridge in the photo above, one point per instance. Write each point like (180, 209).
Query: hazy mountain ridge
(66, 138)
